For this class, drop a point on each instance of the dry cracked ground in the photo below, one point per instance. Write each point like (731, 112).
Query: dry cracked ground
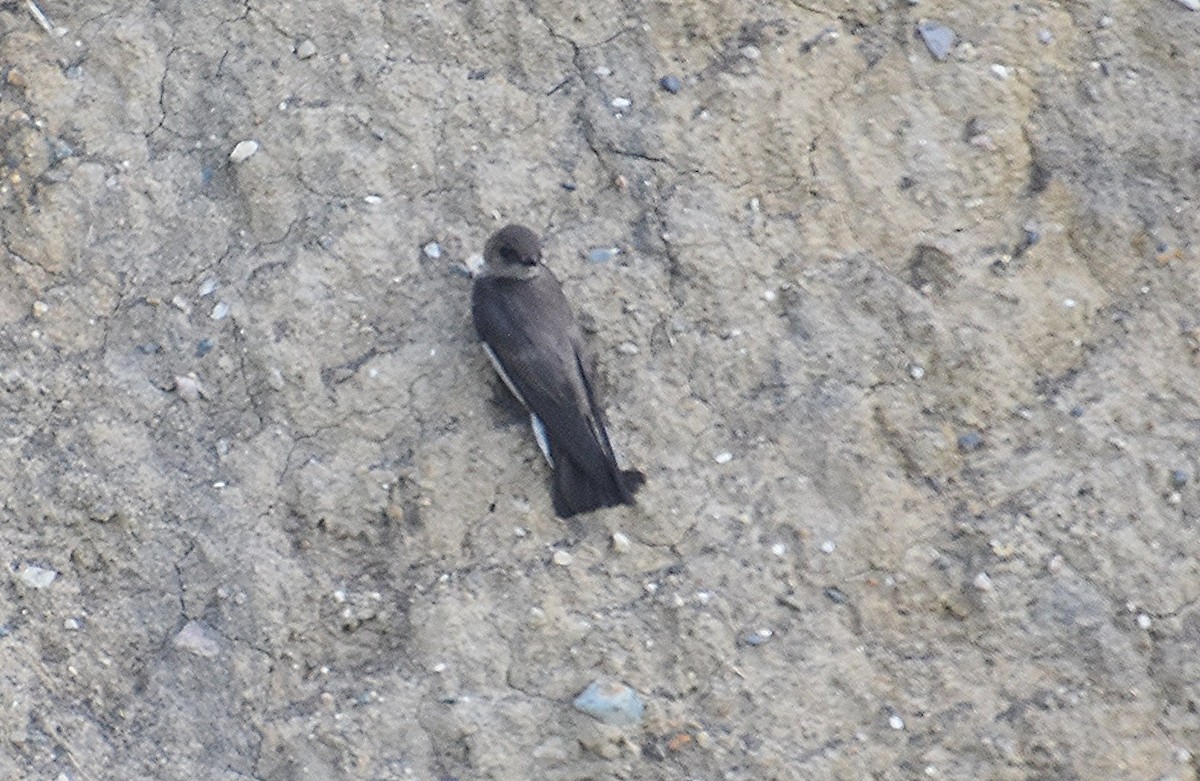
(909, 349)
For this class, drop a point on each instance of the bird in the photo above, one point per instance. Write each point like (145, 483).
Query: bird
(527, 329)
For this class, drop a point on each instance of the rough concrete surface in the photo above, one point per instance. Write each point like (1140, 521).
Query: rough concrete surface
(909, 349)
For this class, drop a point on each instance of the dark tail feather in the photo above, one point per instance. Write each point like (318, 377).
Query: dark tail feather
(576, 490)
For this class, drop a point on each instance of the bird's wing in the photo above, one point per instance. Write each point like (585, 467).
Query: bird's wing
(544, 368)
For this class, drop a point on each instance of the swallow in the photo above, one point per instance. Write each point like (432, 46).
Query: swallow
(528, 331)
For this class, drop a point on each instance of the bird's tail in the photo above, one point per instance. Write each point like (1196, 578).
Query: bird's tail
(579, 490)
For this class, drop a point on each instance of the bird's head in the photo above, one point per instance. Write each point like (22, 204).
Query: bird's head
(513, 251)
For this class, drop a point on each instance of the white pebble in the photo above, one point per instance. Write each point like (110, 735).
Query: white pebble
(562, 558)
(70, 624)
(621, 103)
(243, 151)
(208, 286)
(37, 577)
(1001, 71)
(432, 250)
(895, 722)
(603, 70)
(306, 49)
(195, 637)
(829, 546)
(983, 582)
(372, 199)
(779, 549)
(188, 387)
(220, 311)
(1192, 5)
(1070, 303)
(628, 348)
(1143, 621)
(769, 295)
(621, 543)
(916, 371)
(723, 458)
(751, 52)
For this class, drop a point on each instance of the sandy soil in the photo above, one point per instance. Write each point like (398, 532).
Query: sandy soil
(908, 349)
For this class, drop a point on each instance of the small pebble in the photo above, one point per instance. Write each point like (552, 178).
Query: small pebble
(970, 440)
(627, 348)
(1070, 303)
(779, 549)
(1045, 36)
(1105, 22)
(671, 84)
(1033, 232)
(220, 311)
(474, 264)
(562, 558)
(208, 287)
(938, 38)
(751, 52)
(769, 295)
(71, 624)
(1179, 478)
(40, 308)
(1001, 71)
(603, 71)
(569, 186)
(829, 546)
(895, 722)
(758, 637)
(621, 543)
(1055, 565)
(37, 577)
(836, 595)
(1076, 411)
(621, 103)
(432, 250)
(195, 638)
(1191, 5)
(916, 371)
(204, 347)
(189, 388)
(243, 151)
(1143, 621)
(373, 199)
(603, 254)
(723, 458)
(306, 49)
(983, 582)
(610, 702)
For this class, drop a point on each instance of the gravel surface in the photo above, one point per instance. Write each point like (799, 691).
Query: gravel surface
(909, 348)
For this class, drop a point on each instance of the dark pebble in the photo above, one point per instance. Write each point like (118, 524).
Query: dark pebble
(149, 348)
(970, 440)
(204, 347)
(1077, 411)
(477, 75)
(569, 186)
(1179, 478)
(671, 84)
(836, 595)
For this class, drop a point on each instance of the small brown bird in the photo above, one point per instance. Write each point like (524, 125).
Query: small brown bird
(530, 334)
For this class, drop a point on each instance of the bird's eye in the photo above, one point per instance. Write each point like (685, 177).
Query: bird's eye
(510, 255)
